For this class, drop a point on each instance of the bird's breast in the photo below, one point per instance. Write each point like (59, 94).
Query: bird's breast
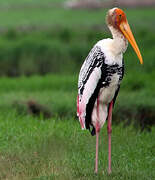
(107, 92)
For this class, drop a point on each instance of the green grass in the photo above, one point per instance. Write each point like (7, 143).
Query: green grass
(63, 50)
(28, 13)
(59, 40)
(54, 91)
(26, 2)
(56, 148)
(25, 17)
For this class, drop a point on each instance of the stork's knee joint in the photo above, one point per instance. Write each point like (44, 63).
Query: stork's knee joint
(97, 127)
(109, 129)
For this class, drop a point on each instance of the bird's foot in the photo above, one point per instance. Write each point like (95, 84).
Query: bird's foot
(109, 171)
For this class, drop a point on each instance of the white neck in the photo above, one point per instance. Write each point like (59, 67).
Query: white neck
(120, 43)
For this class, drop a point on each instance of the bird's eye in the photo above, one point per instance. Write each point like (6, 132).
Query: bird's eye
(120, 16)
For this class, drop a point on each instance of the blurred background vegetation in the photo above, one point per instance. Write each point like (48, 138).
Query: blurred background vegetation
(40, 37)
(54, 37)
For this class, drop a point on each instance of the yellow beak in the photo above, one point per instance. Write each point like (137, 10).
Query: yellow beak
(125, 28)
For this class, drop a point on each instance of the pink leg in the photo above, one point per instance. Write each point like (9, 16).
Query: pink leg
(109, 136)
(97, 136)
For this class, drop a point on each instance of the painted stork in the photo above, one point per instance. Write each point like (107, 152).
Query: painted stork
(100, 77)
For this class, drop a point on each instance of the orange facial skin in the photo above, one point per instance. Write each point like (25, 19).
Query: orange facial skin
(119, 17)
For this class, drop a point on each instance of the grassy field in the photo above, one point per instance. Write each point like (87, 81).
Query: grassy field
(24, 17)
(38, 37)
(40, 49)
(32, 147)
(56, 149)
(37, 13)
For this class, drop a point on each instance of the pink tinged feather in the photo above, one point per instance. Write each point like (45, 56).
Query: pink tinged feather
(79, 113)
(87, 93)
(77, 105)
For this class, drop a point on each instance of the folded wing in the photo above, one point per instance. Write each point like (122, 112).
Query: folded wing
(89, 76)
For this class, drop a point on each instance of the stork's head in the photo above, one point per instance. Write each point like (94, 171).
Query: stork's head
(117, 19)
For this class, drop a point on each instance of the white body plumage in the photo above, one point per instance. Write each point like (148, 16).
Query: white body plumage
(112, 50)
